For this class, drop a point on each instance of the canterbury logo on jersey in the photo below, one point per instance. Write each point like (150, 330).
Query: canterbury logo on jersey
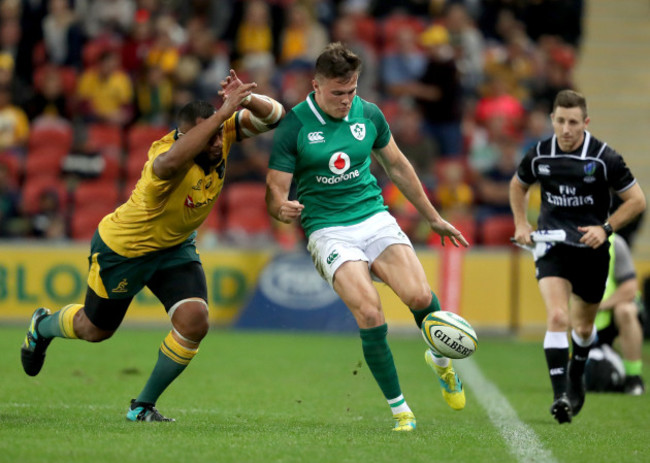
(544, 169)
(315, 137)
(332, 257)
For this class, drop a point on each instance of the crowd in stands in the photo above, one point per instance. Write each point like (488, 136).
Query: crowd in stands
(87, 85)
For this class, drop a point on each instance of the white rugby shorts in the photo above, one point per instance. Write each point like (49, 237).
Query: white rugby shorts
(333, 246)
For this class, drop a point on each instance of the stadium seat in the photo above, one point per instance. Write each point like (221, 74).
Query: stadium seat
(112, 165)
(67, 74)
(56, 137)
(141, 136)
(44, 161)
(14, 166)
(100, 194)
(245, 211)
(34, 187)
(497, 230)
(84, 222)
(127, 188)
(100, 136)
(135, 161)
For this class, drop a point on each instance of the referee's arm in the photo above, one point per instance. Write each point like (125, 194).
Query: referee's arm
(518, 204)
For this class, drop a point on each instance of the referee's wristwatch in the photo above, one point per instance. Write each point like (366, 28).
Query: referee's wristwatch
(608, 228)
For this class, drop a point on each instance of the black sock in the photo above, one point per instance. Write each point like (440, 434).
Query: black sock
(557, 360)
(579, 355)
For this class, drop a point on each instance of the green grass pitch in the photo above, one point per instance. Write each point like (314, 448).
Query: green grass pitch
(289, 397)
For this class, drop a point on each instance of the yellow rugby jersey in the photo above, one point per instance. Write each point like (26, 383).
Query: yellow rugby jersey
(160, 213)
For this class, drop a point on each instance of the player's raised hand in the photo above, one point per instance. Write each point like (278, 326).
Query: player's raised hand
(233, 98)
(290, 211)
(445, 229)
(230, 84)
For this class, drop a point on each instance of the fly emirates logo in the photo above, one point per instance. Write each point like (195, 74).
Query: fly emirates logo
(339, 164)
(568, 198)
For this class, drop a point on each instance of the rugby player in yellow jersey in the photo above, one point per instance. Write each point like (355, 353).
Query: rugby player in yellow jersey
(150, 241)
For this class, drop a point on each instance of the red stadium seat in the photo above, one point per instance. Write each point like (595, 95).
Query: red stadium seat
(112, 166)
(100, 194)
(55, 137)
(68, 76)
(497, 230)
(44, 161)
(134, 163)
(245, 210)
(84, 222)
(101, 136)
(33, 188)
(141, 136)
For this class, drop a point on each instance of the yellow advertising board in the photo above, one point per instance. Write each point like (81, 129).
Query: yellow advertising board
(36, 275)
(498, 290)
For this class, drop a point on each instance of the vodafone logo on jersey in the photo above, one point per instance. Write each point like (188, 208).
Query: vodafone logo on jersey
(339, 163)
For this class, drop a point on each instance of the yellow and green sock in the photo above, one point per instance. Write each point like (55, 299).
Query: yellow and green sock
(60, 324)
(173, 358)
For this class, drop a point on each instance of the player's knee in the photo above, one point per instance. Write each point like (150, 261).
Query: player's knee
(559, 319)
(626, 313)
(584, 330)
(419, 300)
(94, 334)
(369, 317)
(191, 320)
(87, 330)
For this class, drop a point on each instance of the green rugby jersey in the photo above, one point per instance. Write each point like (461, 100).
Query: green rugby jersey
(330, 161)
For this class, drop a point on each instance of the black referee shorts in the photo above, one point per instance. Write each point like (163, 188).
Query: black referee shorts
(585, 268)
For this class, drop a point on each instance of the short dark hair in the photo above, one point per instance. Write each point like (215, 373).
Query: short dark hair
(194, 109)
(571, 99)
(337, 62)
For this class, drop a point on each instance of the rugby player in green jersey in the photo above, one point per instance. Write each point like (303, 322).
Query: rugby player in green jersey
(324, 145)
(150, 241)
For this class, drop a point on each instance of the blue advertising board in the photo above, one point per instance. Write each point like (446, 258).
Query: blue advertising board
(290, 294)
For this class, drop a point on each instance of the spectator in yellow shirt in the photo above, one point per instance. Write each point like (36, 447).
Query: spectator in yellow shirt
(14, 125)
(105, 92)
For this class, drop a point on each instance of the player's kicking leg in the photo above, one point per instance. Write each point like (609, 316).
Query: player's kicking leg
(450, 384)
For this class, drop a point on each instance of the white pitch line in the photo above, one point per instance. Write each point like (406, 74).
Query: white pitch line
(521, 440)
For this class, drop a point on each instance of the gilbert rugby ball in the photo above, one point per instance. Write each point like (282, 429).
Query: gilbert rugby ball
(449, 335)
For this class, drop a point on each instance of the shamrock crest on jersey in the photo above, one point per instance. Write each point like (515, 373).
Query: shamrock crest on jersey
(358, 131)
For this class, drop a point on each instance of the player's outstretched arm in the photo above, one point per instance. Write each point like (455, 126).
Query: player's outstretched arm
(277, 197)
(403, 175)
(260, 114)
(182, 153)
